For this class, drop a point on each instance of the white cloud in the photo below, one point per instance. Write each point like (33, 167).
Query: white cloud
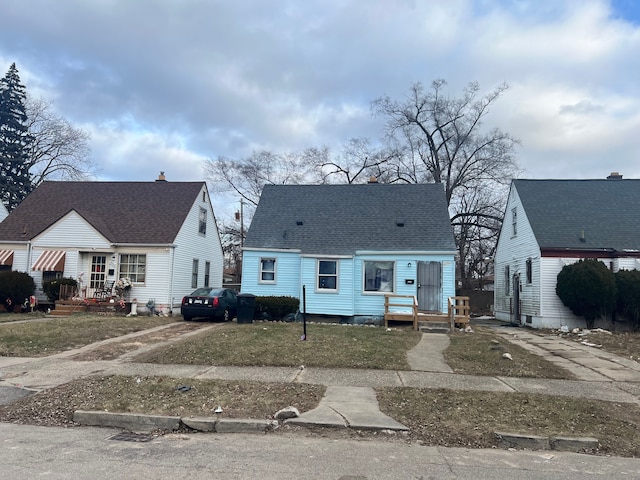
(162, 88)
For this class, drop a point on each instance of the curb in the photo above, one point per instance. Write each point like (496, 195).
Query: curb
(536, 442)
(136, 422)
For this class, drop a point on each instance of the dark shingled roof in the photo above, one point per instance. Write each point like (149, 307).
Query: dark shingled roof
(607, 211)
(340, 219)
(123, 212)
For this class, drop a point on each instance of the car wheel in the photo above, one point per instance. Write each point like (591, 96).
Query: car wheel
(226, 316)
(187, 318)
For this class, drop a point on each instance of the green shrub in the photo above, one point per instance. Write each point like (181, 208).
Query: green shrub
(276, 308)
(15, 288)
(588, 289)
(628, 284)
(52, 288)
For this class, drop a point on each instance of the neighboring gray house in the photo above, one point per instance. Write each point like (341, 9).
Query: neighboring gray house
(552, 223)
(162, 235)
(348, 245)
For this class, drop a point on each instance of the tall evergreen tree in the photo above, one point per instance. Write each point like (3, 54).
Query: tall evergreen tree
(15, 182)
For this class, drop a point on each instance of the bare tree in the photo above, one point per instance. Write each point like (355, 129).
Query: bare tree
(356, 163)
(443, 140)
(59, 150)
(246, 177)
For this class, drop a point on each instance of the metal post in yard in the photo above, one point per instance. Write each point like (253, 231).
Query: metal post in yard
(304, 312)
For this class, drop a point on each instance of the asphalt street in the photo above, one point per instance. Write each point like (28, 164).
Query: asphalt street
(89, 453)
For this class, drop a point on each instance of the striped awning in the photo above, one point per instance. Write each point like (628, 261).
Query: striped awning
(50, 261)
(6, 257)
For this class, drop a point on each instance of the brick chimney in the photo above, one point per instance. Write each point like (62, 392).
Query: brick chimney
(614, 176)
(373, 179)
(161, 177)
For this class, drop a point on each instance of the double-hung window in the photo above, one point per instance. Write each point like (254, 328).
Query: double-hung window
(327, 275)
(267, 270)
(378, 276)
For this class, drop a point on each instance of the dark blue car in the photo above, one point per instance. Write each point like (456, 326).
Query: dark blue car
(208, 302)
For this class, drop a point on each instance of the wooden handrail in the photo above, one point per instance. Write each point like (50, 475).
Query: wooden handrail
(458, 307)
(413, 316)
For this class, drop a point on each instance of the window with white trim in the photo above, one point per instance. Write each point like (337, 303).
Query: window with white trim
(378, 276)
(202, 224)
(207, 273)
(514, 221)
(194, 273)
(507, 280)
(327, 275)
(267, 270)
(134, 267)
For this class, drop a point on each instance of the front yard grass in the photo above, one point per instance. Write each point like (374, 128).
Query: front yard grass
(48, 336)
(280, 345)
(481, 353)
(469, 419)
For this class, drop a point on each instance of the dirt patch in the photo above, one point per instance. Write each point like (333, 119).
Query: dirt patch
(161, 396)
(113, 350)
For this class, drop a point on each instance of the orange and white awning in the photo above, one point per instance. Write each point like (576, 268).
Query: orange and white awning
(6, 257)
(50, 261)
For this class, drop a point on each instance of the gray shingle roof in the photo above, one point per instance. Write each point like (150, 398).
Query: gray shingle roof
(608, 211)
(123, 212)
(341, 219)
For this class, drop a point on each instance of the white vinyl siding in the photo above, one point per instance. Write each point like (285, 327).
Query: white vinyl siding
(513, 252)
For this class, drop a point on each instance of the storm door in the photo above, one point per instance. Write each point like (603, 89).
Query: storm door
(430, 286)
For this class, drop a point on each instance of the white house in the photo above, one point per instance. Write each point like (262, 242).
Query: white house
(552, 223)
(349, 245)
(161, 235)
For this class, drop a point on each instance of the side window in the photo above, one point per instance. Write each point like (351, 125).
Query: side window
(267, 270)
(507, 281)
(529, 271)
(327, 275)
(514, 221)
(194, 274)
(202, 224)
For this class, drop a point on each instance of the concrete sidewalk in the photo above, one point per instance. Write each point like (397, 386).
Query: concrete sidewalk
(350, 399)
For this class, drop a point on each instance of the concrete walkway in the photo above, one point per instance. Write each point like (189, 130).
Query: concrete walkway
(350, 399)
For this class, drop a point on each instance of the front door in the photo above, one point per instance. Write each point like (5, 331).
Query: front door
(430, 286)
(516, 300)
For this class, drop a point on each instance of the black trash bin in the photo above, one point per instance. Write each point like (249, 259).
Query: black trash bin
(246, 307)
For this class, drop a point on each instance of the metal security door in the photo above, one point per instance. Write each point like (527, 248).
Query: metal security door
(429, 286)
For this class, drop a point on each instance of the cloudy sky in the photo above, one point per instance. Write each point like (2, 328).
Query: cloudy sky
(165, 84)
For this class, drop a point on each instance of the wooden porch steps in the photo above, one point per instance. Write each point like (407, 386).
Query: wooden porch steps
(66, 309)
(404, 308)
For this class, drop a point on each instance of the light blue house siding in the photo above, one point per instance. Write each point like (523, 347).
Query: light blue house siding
(293, 271)
(405, 279)
(287, 273)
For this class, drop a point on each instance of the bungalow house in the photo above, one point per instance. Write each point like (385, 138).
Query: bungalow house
(552, 223)
(161, 235)
(349, 245)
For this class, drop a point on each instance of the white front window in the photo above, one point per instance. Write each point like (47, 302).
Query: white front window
(134, 267)
(378, 276)
(327, 275)
(267, 270)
